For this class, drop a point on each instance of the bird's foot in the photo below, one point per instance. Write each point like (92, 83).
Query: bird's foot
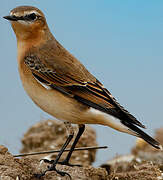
(52, 167)
(64, 162)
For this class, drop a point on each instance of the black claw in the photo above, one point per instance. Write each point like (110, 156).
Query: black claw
(62, 173)
(53, 168)
(68, 175)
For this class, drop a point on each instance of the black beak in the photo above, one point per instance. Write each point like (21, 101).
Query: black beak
(11, 18)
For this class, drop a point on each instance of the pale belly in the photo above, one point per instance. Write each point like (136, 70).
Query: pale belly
(63, 107)
(51, 101)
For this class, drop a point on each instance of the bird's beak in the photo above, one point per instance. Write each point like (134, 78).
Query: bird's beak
(11, 18)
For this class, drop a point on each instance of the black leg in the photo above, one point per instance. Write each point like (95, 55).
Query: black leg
(54, 162)
(80, 132)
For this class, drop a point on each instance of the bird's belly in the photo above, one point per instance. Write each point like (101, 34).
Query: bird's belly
(66, 108)
(62, 106)
(54, 103)
(50, 100)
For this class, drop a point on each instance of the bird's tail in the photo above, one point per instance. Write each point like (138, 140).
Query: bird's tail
(143, 135)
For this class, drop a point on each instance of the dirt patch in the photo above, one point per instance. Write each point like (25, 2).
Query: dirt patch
(50, 135)
(12, 168)
(128, 167)
(25, 169)
(144, 162)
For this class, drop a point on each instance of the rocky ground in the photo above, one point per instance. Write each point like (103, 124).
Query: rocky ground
(144, 162)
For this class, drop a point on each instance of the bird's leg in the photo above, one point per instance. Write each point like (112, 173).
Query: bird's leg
(66, 160)
(55, 162)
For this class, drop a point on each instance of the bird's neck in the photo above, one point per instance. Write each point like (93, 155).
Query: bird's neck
(27, 44)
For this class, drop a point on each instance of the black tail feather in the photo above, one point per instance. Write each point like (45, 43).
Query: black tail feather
(143, 135)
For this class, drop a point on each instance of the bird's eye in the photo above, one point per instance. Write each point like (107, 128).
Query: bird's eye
(31, 17)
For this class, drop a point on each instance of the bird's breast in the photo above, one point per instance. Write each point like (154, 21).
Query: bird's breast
(50, 100)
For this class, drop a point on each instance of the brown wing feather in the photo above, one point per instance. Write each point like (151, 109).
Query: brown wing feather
(91, 93)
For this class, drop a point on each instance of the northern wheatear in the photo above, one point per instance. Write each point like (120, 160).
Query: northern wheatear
(61, 86)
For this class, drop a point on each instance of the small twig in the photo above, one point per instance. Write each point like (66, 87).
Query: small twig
(56, 151)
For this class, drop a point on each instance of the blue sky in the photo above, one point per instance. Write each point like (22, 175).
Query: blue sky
(120, 42)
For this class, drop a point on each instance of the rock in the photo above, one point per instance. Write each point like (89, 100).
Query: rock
(78, 173)
(145, 162)
(146, 152)
(50, 135)
(136, 171)
(141, 145)
(3, 150)
(12, 168)
(129, 167)
(25, 169)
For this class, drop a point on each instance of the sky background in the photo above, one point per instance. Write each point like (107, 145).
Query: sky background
(120, 42)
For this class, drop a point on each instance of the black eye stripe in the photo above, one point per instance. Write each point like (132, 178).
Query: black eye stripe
(30, 17)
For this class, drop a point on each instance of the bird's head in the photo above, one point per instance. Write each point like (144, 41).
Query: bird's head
(27, 22)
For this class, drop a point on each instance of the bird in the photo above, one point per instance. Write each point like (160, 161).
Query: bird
(60, 84)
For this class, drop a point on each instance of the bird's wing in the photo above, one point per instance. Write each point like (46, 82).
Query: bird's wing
(90, 92)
